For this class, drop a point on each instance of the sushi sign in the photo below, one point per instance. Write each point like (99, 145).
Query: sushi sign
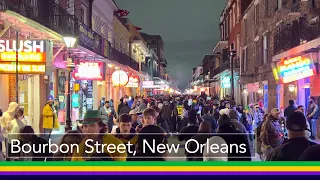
(292, 69)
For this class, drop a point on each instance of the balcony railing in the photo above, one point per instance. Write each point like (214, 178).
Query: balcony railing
(224, 66)
(295, 34)
(47, 13)
(124, 59)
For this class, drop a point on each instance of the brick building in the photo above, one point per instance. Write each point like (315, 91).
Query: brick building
(268, 28)
(230, 29)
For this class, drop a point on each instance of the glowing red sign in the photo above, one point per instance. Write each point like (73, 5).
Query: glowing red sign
(293, 69)
(133, 82)
(88, 70)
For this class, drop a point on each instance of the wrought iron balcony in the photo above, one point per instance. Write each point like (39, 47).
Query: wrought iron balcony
(295, 34)
(47, 13)
(124, 59)
(215, 71)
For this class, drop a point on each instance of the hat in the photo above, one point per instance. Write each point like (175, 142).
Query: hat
(275, 111)
(297, 122)
(50, 98)
(132, 112)
(91, 117)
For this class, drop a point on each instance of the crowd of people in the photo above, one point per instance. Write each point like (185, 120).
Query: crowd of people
(274, 136)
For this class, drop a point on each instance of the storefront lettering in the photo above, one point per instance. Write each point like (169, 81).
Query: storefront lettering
(24, 46)
(293, 69)
(23, 68)
(23, 56)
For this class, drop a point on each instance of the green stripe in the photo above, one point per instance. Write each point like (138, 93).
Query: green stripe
(159, 163)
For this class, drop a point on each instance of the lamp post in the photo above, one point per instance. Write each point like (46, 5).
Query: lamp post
(69, 42)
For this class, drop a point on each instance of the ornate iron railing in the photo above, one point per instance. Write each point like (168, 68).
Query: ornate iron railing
(295, 34)
(124, 59)
(47, 13)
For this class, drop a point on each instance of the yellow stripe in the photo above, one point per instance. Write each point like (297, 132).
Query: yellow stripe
(159, 168)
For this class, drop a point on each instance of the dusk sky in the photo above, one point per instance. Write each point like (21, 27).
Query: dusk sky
(189, 29)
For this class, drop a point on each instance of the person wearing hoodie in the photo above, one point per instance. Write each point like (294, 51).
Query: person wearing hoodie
(234, 117)
(50, 119)
(272, 134)
(7, 117)
(125, 109)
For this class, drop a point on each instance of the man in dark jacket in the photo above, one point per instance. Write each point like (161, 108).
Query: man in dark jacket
(120, 106)
(210, 119)
(290, 109)
(297, 143)
(125, 109)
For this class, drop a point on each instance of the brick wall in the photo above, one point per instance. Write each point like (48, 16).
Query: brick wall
(267, 23)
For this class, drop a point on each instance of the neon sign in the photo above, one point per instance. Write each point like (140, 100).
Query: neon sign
(133, 82)
(293, 69)
(226, 82)
(24, 46)
(26, 68)
(88, 70)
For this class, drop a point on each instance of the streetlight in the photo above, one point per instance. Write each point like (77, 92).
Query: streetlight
(69, 42)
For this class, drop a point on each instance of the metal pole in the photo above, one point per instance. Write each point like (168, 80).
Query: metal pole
(232, 78)
(68, 120)
(109, 84)
(17, 65)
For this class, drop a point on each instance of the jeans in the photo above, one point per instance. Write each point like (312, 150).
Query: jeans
(47, 133)
(313, 124)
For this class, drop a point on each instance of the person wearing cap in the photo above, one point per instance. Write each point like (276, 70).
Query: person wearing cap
(126, 133)
(272, 134)
(297, 143)
(134, 118)
(92, 126)
(50, 119)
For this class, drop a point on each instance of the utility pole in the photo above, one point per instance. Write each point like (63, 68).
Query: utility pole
(232, 56)
(17, 66)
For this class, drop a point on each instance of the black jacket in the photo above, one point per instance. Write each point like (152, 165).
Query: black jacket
(290, 150)
(289, 110)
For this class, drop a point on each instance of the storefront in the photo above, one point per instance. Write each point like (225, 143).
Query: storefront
(256, 93)
(296, 79)
(34, 69)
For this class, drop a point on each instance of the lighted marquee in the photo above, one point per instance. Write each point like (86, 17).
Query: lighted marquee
(226, 82)
(31, 56)
(293, 69)
(133, 82)
(88, 70)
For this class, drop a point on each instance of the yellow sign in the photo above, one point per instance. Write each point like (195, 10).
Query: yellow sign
(180, 110)
(23, 56)
(23, 68)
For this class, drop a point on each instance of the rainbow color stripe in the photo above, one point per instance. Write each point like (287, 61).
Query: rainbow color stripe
(160, 168)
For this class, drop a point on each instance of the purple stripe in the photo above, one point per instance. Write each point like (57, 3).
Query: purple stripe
(160, 173)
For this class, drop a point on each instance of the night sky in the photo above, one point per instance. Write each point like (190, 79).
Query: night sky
(189, 29)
